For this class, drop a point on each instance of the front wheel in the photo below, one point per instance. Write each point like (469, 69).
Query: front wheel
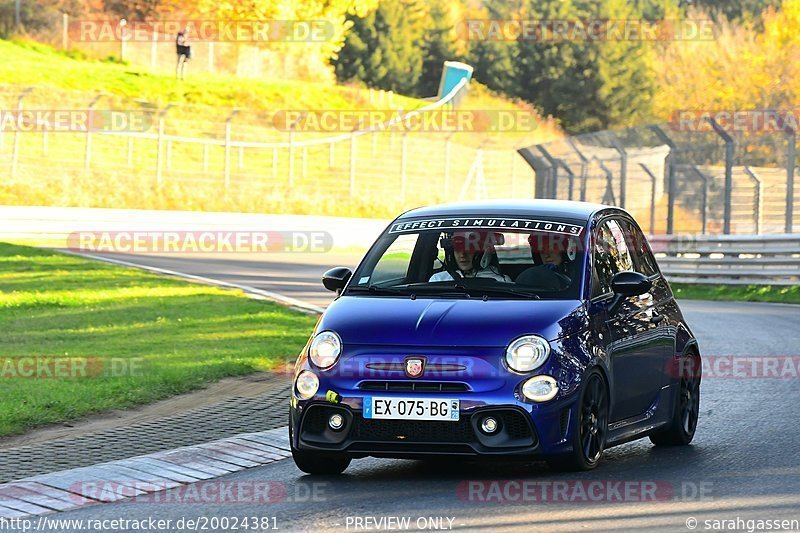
(681, 430)
(589, 435)
(320, 463)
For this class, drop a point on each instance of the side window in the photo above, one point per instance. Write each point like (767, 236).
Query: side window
(643, 258)
(393, 264)
(611, 255)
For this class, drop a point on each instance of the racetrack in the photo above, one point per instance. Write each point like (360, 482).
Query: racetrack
(743, 462)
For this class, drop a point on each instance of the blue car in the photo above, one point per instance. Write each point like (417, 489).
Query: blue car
(537, 330)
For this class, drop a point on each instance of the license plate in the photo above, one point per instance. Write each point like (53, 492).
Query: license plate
(411, 408)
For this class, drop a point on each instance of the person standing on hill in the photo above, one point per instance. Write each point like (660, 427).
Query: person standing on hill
(184, 51)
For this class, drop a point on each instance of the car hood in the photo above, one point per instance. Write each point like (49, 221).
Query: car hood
(449, 322)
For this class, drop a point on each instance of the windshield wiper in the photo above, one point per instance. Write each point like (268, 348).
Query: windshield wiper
(508, 290)
(464, 288)
(376, 289)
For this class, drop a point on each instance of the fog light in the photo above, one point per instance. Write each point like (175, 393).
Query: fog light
(307, 384)
(488, 425)
(540, 388)
(336, 422)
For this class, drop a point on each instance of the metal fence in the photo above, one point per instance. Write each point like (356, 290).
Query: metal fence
(194, 157)
(708, 181)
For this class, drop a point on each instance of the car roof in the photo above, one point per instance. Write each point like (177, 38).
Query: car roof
(564, 209)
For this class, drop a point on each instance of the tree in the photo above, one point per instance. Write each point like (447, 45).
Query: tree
(494, 60)
(587, 84)
(738, 10)
(382, 50)
(310, 59)
(438, 45)
(132, 9)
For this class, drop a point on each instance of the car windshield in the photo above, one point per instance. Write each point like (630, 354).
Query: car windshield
(485, 257)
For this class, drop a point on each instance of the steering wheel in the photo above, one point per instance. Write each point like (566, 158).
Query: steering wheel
(563, 280)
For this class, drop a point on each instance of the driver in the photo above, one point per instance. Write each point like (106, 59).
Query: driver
(470, 254)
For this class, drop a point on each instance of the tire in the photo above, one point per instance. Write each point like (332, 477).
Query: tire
(591, 427)
(682, 428)
(320, 463)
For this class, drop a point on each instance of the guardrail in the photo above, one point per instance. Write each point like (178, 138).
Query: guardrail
(729, 259)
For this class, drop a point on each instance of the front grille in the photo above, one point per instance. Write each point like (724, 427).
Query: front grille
(515, 424)
(414, 386)
(316, 419)
(430, 367)
(365, 429)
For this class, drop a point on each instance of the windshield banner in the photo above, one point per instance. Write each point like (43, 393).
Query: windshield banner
(487, 223)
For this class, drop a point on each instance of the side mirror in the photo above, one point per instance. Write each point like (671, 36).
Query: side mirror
(336, 278)
(630, 283)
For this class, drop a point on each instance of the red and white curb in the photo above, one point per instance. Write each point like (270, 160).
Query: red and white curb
(79, 487)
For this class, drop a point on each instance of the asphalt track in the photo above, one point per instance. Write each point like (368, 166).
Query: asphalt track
(744, 463)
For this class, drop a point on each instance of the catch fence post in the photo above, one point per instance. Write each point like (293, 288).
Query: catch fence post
(623, 169)
(669, 163)
(160, 145)
(729, 146)
(447, 151)
(64, 31)
(228, 148)
(790, 165)
(653, 181)
(15, 149)
(87, 156)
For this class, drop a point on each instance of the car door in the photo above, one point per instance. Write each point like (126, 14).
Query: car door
(663, 303)
(635, 353)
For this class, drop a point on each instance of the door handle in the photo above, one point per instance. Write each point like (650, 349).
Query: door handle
(655, 319)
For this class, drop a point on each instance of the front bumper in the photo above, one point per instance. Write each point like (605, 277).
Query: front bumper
(525, 430)
(475, 376)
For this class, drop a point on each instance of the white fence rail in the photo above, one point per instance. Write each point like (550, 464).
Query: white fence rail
(191, 156)
(730, 259)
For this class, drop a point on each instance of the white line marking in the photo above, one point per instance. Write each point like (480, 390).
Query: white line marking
(250, 291)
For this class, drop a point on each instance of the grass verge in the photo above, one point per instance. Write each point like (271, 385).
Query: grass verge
(744, 293)
(144, 337)
(30, 63)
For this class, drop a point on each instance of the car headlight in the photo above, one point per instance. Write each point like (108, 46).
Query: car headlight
(540, 388)
(306, 384)
(527, 353)
(325, 349)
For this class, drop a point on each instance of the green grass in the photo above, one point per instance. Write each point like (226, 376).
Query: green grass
(745, 293)
(30, 63)
(180, 335)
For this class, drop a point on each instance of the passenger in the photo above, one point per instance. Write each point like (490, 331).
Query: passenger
(470, 254)
(550, 254)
